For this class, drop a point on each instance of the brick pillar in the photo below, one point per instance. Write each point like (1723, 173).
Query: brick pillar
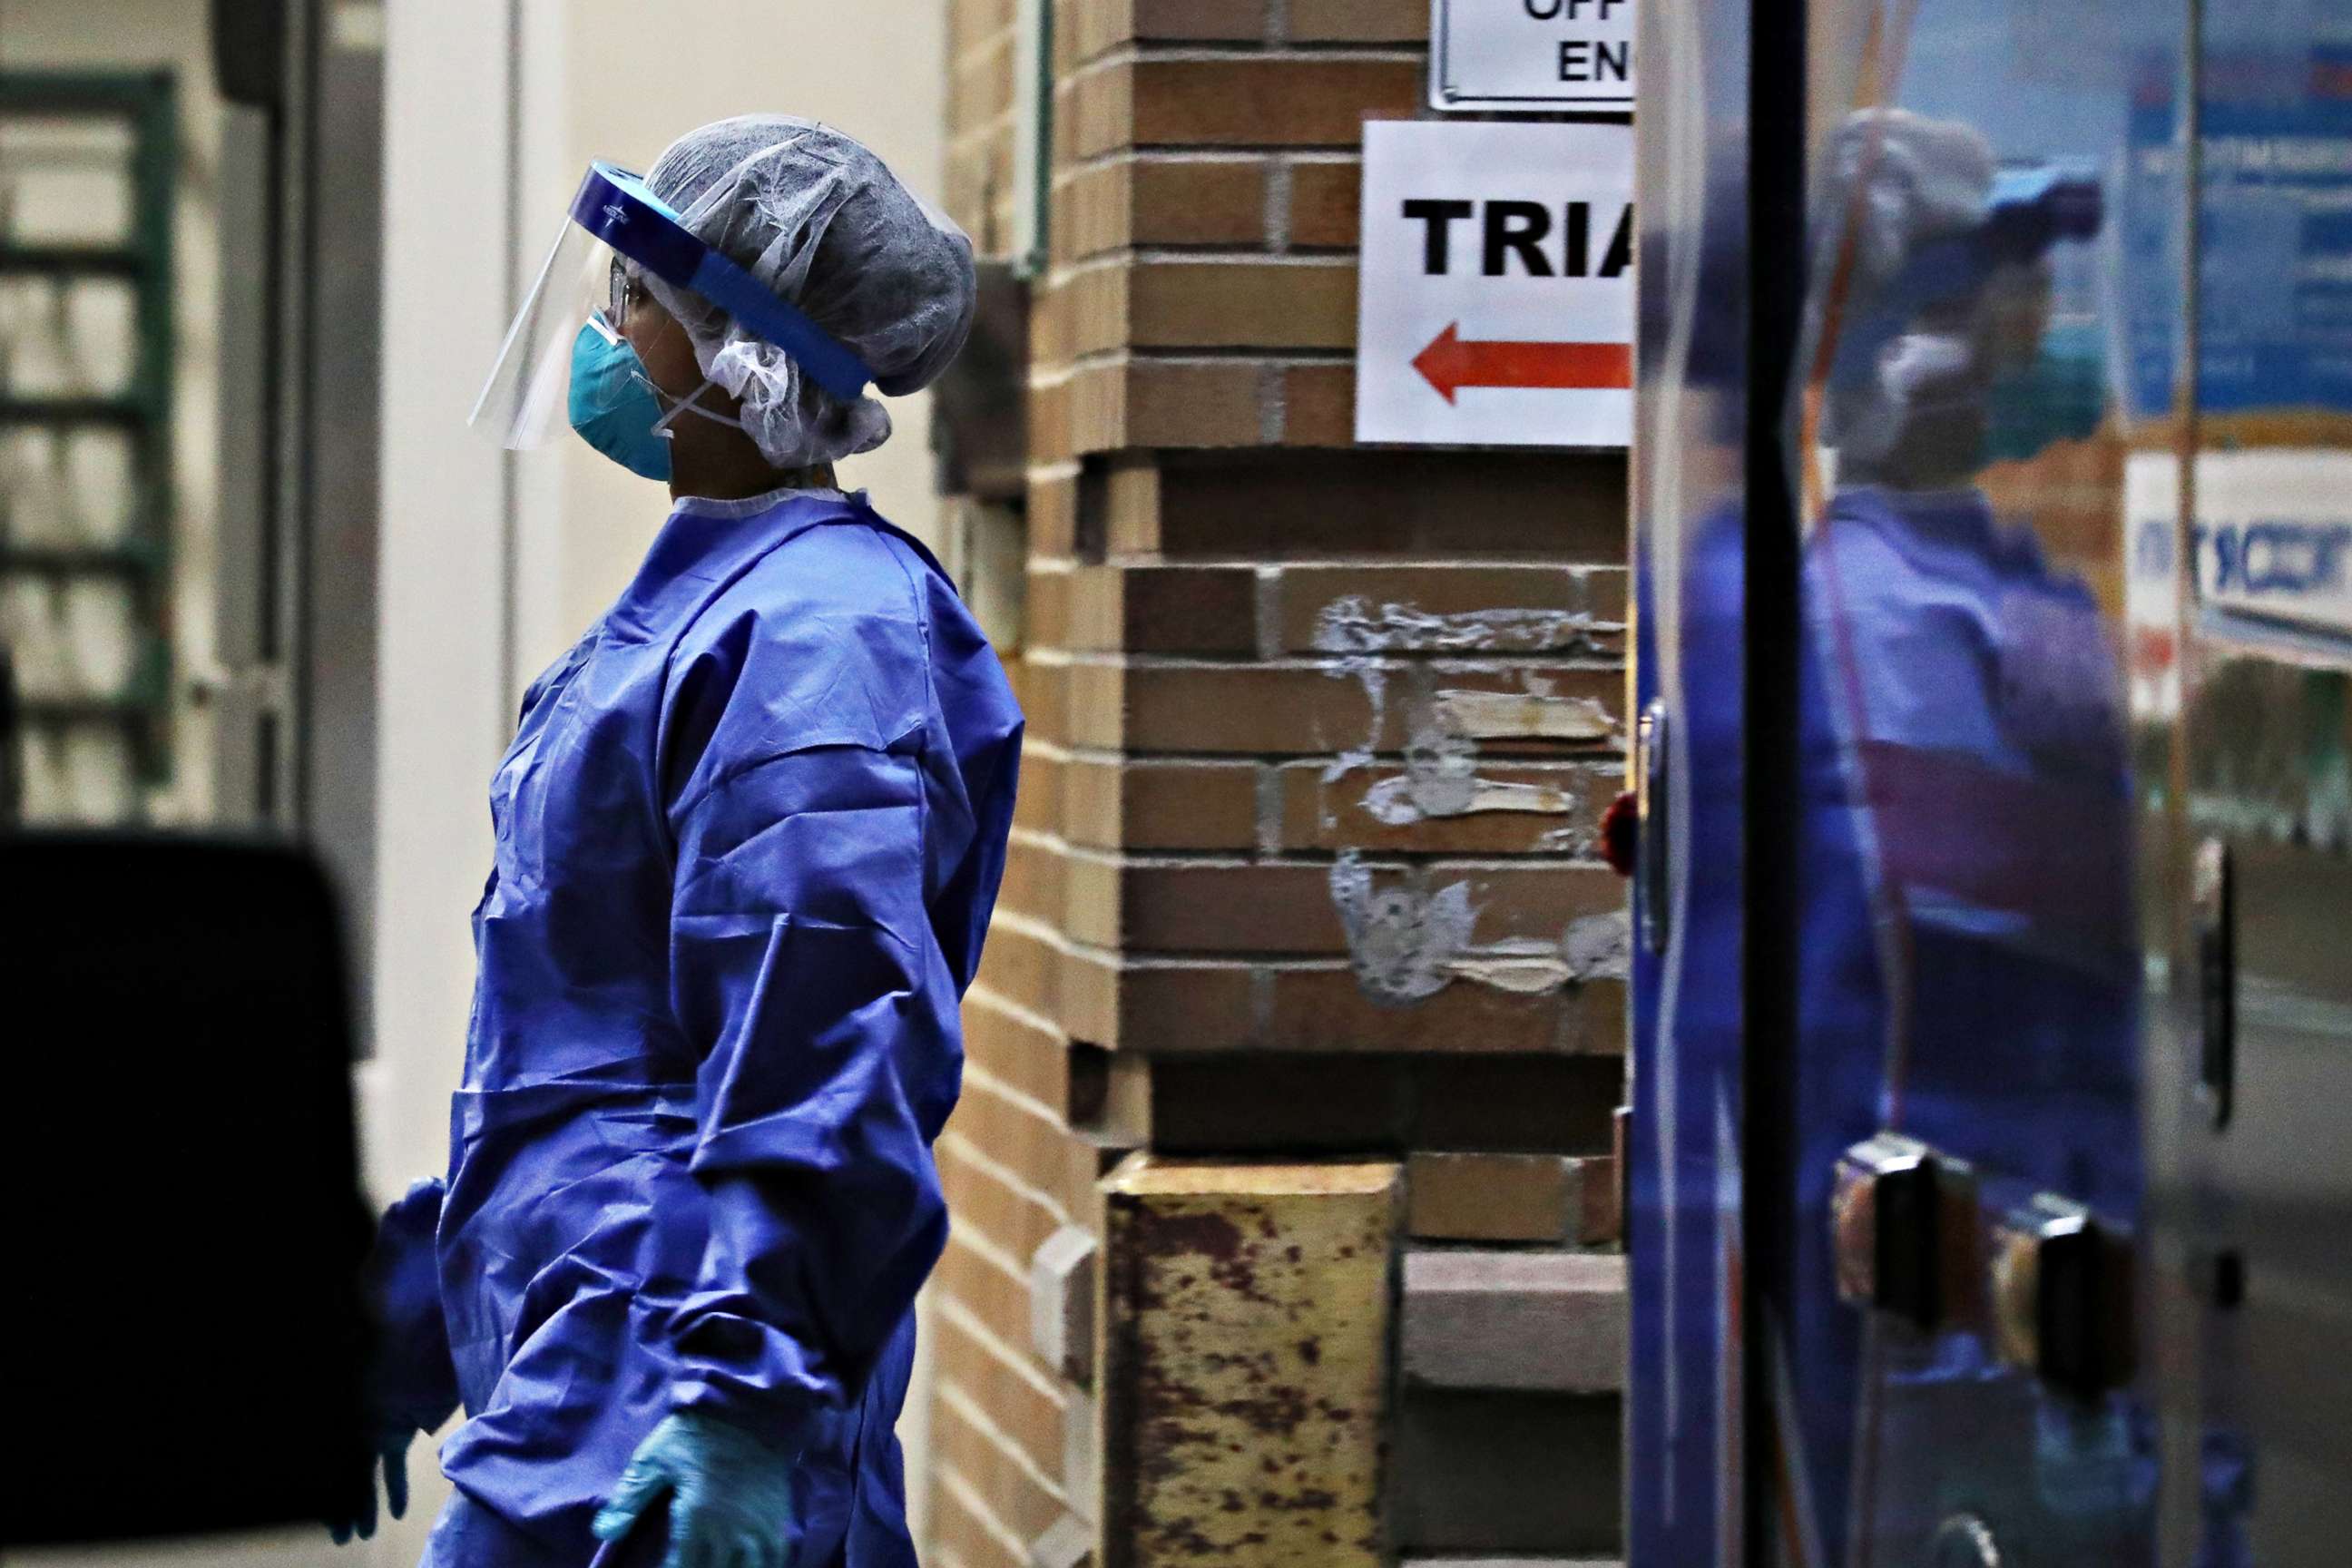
(1305, 867)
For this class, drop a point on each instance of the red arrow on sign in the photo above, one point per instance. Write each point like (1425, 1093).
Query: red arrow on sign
(1450, 365)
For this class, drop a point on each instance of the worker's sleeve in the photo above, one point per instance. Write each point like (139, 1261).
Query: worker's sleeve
(802, 971)
(414, 1385)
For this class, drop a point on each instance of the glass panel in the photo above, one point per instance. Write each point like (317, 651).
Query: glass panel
(1994, 239)
(2259, 1124)
(1684, 1411)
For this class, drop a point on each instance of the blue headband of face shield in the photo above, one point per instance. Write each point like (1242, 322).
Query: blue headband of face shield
(619, 208)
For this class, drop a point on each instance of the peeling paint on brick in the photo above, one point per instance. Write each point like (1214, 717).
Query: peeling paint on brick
(1441, 779)
(1406, 799)
(1532, 715)
(1354, 626)
(1401, 939)
(1409, 942)
(1597, 947)
(1600, 947)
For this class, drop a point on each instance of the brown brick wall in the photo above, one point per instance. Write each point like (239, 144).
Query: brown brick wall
(1319, 736)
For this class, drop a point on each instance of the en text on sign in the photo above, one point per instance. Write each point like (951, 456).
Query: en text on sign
(1501, 55)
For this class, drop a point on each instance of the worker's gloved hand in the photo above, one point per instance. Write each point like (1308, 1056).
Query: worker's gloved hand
(731, 1495)
(389, 1448)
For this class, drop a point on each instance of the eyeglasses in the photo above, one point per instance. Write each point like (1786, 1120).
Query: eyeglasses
(622, 285)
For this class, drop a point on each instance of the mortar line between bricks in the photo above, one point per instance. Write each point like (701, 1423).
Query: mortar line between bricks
(1127, 257)
(1148, 51)
(1263, 253)
(1035, 930)
(977, 1506)
(1587, 757)
(1200, 359)
(1061, 942)
(1206, 250)
(1002, 1090)
(1342, 662)
(969, 1324)
(998, 1171)
(1311, 857)
(1071, 172)
(1375, 565)
(1315, 859)
(961, 1150)
(966, 1149)
(974, 1416)
(997, 1002)
(1076, 169)
(1446, 663)
(1328, 152)
(1370, 566)
(979, 1244)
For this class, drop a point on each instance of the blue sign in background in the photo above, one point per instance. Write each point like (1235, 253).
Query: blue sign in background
(2275, 252)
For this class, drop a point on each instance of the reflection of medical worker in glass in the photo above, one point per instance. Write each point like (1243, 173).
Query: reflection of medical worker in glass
(1969, 949)
(747, 839)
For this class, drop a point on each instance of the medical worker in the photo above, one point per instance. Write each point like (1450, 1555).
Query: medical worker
(748, 837)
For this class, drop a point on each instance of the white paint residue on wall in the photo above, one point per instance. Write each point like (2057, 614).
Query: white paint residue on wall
(1403, 939)
(1536, 714)
(1441, 779)
(1409, 942)
(1353, 626)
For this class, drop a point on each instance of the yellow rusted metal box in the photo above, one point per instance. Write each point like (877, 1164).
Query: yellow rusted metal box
(1246, 1314)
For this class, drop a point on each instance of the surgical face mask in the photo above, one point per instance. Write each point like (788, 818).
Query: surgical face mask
(613, 404)
(2059, 395)
(617, 409)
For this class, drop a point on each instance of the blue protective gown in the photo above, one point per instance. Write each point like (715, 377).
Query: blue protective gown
(747, 839)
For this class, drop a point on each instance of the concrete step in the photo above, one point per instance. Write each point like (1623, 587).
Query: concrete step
(1538, 1323)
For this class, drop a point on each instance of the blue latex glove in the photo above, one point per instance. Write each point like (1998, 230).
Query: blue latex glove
(731, 1495)
(390, 1450)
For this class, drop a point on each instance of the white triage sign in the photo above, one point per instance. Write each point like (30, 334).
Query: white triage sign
(1530, 54)
(1497, 302)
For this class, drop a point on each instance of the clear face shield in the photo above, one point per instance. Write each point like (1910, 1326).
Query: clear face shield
(617, 234)
(586, 286)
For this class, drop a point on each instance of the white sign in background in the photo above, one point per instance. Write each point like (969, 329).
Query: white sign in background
(2272, 540)
(1497, 305)
(1531, 54)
